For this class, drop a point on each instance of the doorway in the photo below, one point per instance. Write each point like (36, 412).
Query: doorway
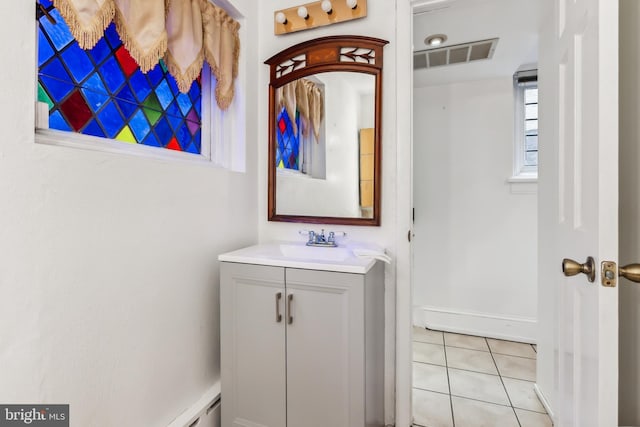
(474, 195)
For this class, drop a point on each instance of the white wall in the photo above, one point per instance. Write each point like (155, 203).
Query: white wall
(475, 246)
(109, 278)
(629, 309)
(380, 23)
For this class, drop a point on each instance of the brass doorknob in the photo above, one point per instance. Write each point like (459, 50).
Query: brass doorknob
(571, 268)
(631, 272)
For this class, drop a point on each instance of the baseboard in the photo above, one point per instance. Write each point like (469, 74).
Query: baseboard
(544, 402)
(202, 412)
(512, 328)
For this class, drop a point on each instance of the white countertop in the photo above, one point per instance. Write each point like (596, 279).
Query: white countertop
(298, 255)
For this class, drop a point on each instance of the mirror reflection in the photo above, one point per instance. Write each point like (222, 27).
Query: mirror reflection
(325, 141)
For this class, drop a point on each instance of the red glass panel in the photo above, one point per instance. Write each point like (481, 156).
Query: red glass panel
(76, 110)
(127, 63)
(173, 144)
(282, 125)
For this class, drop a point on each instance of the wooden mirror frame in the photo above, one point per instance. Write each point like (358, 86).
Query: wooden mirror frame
(357, 54)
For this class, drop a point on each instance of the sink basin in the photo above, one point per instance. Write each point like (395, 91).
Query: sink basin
(298, 255)
(314, 253)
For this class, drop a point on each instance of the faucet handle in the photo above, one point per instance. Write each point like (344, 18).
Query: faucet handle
(312, 236)
(332, 237)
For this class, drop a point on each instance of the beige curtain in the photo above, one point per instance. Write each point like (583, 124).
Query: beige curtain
(184, 33)
(306, 97)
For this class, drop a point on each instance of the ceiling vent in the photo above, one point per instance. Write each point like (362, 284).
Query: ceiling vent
(456, 54)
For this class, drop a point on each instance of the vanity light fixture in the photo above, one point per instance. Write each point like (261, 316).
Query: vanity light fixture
(435, 40)
(317, 14)
(326, 6)
(281, 18)
(303, 12)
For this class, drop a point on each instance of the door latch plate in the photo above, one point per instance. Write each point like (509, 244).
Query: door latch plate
(609, 274)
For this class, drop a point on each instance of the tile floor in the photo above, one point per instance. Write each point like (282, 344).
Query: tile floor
(466, 381)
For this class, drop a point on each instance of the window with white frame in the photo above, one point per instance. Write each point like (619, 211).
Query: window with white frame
(99, 99)
(526, 125)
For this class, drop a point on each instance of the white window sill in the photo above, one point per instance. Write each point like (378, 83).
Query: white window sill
(523, 184)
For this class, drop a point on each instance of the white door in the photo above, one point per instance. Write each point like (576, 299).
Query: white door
(325, 349)
(578, 218)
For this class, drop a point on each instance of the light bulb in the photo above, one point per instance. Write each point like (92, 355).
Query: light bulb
(281, 18)
(352, 3)
(326, 6)
(302, 12)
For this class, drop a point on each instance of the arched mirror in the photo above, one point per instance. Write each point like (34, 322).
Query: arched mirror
(325, 115)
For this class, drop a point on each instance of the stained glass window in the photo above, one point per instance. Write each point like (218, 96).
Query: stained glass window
(102, 92)
(288, 141)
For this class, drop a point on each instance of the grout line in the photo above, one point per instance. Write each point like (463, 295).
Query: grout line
(504, 386)
(446, 367)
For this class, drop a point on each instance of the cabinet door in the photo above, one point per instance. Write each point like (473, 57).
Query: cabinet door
(252, 346)
(325, 349)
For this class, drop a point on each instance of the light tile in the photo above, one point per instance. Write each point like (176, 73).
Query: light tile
(523, 395)
(533, 419)
(473, 360)
(431, 409)
(428, 353)
(465, 341)
(511, 348)
(472, 413)
(430, 377)
(516, 367)
(475, 385)
(427, 335)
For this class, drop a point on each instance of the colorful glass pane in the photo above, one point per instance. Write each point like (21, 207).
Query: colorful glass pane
(288, 141)
(102, 92)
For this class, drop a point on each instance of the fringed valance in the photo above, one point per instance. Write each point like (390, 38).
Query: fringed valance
(183, 32)
(307, 98)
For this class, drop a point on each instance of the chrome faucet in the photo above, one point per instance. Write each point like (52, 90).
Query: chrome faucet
(319, 239)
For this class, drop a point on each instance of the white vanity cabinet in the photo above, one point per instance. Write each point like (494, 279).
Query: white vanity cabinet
(301, 347)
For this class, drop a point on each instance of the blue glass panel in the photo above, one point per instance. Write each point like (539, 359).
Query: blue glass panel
(57, 89)
(77, 62)
(95, 92)
(112, 36)
(184, 103)
(127, 108)
(175, 122)
(197, 141)
(172, 84)
(139, 126)
(58, 33)
(173, 110)
(111, 119)
(194, 92)
(183, 135)
(93, 128)
(164, 131)
(45, 3)
(56, 121)
(140, 85)
(45, 51)
(126, 94)
(100, 51)
(152, 140)
(155, 75)
(164, 94)
(112, 74)
(56, 70)
(198, 106)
